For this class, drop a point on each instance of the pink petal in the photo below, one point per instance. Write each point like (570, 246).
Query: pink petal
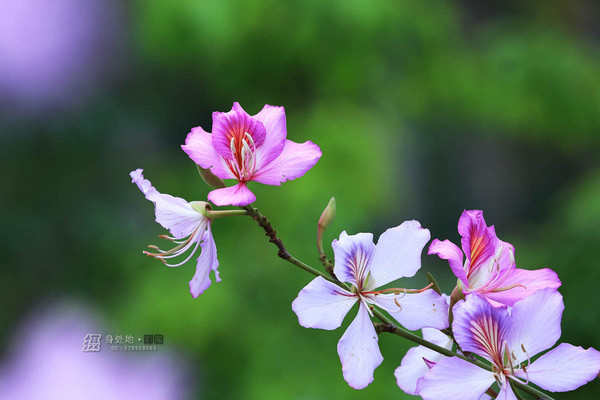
(238, 195)
(293, 162)
(479, 242)
(207, 261)
(564, 368)
(535, 323)
(273, 119)
(447, 250)
(199, 147)
(416, 310)
(173, 213)
(529, 282)
(353, 255)
(359, 351)
(413, 367)
(322, 305)
(235, 124)
(453, 378)
(398, 252)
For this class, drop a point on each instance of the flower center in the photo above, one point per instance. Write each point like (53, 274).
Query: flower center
(243, 163)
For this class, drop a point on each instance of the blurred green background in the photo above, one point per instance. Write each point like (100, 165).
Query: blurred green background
(422, 109)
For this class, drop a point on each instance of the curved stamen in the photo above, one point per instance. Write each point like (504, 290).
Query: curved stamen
(399, 291)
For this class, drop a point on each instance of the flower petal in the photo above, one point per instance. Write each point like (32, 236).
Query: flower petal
(479, 242)
(235, 124)
(479, 327)
(207, 261)
(398, 252)
(293, 162)
(359, 351)
(415, 310)
(528, 281)
(506, 392)
(453, 378)
(198, 146)
(273, 119)
(322, 304)
(564, 368)
(173, 213)
(535, 323)
(238, 195)
(352, 256)
(413, 367)
(447, 250)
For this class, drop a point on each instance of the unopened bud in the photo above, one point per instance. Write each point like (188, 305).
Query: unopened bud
(328, 215)
(209, 178)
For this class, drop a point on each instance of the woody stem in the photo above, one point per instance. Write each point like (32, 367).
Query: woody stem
(388, 325)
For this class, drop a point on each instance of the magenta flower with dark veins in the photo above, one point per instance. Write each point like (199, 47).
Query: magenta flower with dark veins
(508, 339)
(249, 148)
(489, 268)
(366, 267)
(190, 229)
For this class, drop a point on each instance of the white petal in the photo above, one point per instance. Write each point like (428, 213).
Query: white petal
(413, 367)
(359, 351)
(207, 261)
(322, 305)
(506, 393)
(564, 368)
(454, 378)
(398, 252)
(535, 323)
(416, 310)
(353, 255)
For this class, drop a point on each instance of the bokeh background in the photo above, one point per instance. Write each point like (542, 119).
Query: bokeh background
(422, 109)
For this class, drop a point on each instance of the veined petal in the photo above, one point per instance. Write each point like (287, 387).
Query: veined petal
(273, 119)
(479, 242)
(352, 256)
(415, 310)
(535, 323)
(235, 124)
(207, 261)
(563, 368)
(453, 378)
(447, 250)
(398, 252)
(293, 162)
(359, 351)
(238, 195)
(199, 147)
(173, 213)
(413, 366)
(524, 283)
(322, 304)
(506, 392)
(481, 328)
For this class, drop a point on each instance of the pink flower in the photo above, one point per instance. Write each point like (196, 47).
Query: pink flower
(366, 267)
(249, 148)
(508, 339)
(489, 268)
(189, 228)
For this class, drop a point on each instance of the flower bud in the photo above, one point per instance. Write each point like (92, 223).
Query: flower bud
(328, 215)
(209, 178)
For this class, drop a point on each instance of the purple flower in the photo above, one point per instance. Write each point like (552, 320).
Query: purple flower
(47, 362)
(189, 228)
(249, 148)
(509, 338)
(489, 268)
(359, 262)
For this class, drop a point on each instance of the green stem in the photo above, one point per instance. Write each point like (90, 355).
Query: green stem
(390, 325)
(212, 214)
